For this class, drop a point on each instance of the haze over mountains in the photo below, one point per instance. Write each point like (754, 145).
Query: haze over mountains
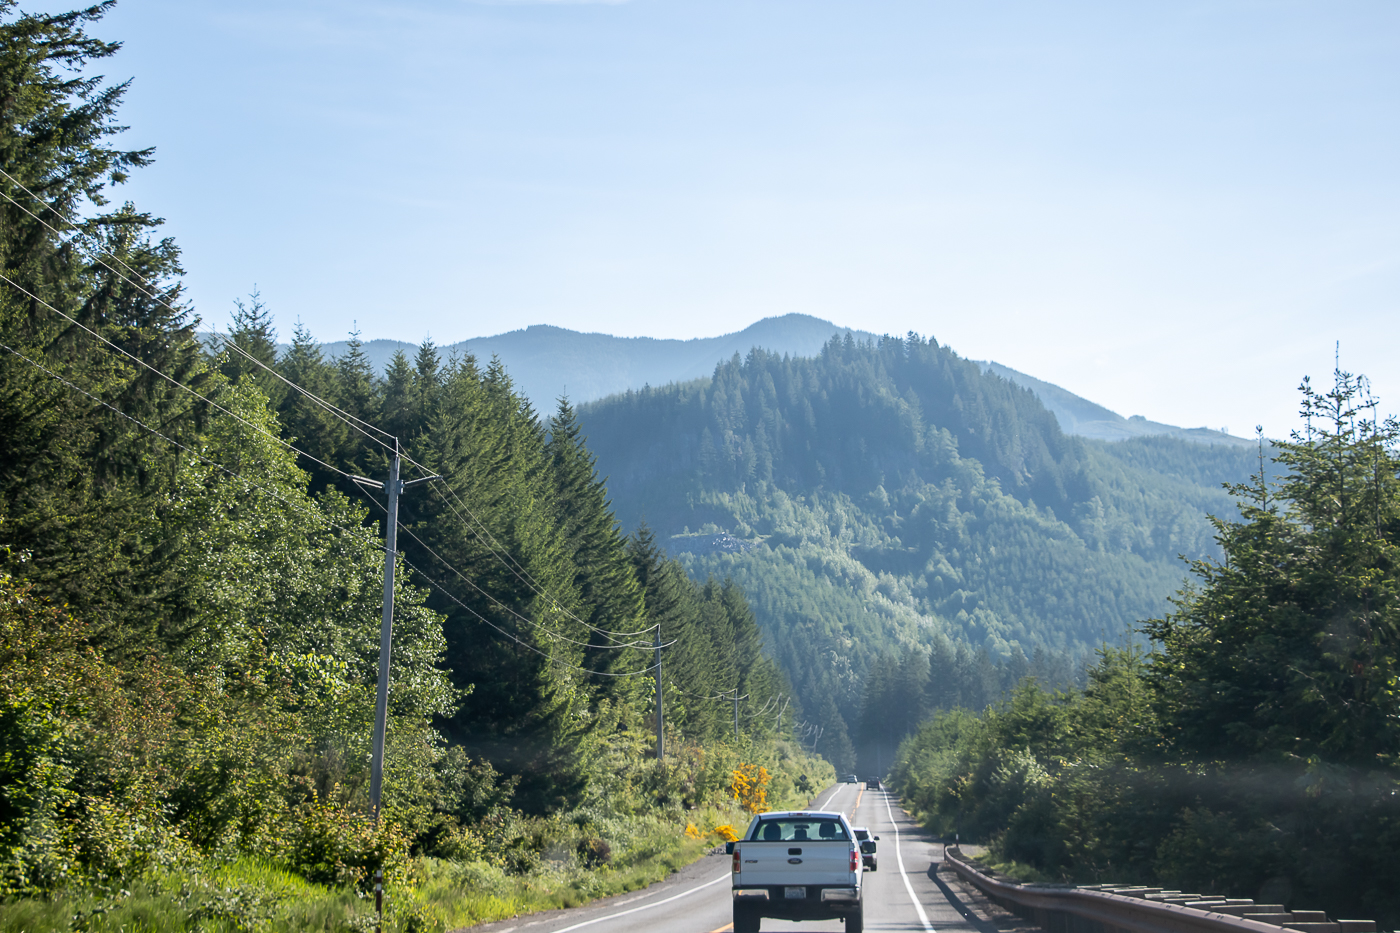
(546, 363)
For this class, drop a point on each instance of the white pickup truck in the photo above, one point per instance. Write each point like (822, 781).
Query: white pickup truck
(798, 865)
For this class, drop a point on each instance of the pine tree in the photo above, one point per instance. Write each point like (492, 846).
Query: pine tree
(254, 348)
(356, 391)
(80, 486)
(309, 424)
(602, 573)
(1287, 648)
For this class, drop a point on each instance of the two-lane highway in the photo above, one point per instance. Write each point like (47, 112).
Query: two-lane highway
(902, 895)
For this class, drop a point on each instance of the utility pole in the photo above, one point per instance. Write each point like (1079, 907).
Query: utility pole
(660, 719)
(737, 698)
(386, 626)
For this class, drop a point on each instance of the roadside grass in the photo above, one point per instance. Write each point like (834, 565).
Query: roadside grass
(1017, 871)
(574, 858)
(252, 896)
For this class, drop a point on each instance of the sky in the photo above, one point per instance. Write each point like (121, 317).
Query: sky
(1175, 209)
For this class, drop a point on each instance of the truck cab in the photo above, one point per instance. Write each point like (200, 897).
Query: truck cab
(797, 865)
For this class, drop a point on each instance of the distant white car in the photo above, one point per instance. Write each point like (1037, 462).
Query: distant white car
(850, 779)
(867, 847)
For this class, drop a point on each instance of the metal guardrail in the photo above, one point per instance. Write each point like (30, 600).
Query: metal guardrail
(1070, 909)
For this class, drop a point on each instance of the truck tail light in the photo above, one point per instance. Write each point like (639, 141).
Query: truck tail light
(855, 860)
(736, 860)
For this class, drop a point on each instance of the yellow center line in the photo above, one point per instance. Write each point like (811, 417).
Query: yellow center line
(859, 794)
(724, 929)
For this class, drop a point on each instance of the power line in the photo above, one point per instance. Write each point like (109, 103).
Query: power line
(515, 638)
(474, 585)
(726, 697)
(772, 702)
(314, 514)
(501, 605)
(171, 379)
(352, 477)
(349, 419)
(493, 547)
(189, 450)
(501, 554)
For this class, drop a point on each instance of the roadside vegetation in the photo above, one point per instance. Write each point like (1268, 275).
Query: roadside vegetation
(1253, 750)
(540, 864)
(190, 598)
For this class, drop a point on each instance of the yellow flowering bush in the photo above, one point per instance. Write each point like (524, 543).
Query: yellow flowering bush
(749, 786)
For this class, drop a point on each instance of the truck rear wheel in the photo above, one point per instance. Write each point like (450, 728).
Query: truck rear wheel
(746, 919)
(855, 923)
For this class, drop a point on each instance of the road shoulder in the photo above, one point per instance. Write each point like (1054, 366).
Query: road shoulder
(979, 910)
(703, 869)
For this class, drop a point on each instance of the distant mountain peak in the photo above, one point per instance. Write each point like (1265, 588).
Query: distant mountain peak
(547, 362)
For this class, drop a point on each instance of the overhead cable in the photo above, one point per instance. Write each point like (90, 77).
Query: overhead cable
(515, 638)
(501, 554)
(187, 449)
(314, 514)
(349, 419)
(171, 379)
(648, 646)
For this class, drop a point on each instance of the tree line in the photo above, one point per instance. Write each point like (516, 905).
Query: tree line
(1253, 748)
(190, 575)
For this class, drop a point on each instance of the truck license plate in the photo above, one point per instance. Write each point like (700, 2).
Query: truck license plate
(795, 892)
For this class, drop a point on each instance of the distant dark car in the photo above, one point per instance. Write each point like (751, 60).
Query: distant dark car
(850, 779)
(867, 847)
(872, 783)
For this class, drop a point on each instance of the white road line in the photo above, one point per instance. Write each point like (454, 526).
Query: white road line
(623, 913)
(899, 857)
(834, 791)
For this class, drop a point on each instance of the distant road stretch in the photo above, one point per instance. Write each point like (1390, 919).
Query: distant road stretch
(902, 895)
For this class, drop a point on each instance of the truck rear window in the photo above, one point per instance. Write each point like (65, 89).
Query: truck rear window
(790, 829)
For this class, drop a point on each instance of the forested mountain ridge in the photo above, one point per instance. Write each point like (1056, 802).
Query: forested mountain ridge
(547, 362)
(1088, 419)
(889, 496)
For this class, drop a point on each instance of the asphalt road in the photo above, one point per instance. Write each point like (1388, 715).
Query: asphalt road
(903, 895)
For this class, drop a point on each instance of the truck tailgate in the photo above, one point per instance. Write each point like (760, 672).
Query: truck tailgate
(774, 863)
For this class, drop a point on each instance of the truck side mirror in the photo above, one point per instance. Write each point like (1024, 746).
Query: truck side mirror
(729, 848)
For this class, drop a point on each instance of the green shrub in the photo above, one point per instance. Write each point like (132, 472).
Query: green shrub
(328, 844)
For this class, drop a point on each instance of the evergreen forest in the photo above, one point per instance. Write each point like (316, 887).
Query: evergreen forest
(191, 564)
(914, 533)
(1153, 660)
(1254, 749)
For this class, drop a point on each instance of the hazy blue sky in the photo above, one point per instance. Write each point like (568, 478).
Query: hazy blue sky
(1172, 208)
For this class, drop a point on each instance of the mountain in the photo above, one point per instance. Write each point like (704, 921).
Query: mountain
(883, 497)
(548, 362)
(1087, 419)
